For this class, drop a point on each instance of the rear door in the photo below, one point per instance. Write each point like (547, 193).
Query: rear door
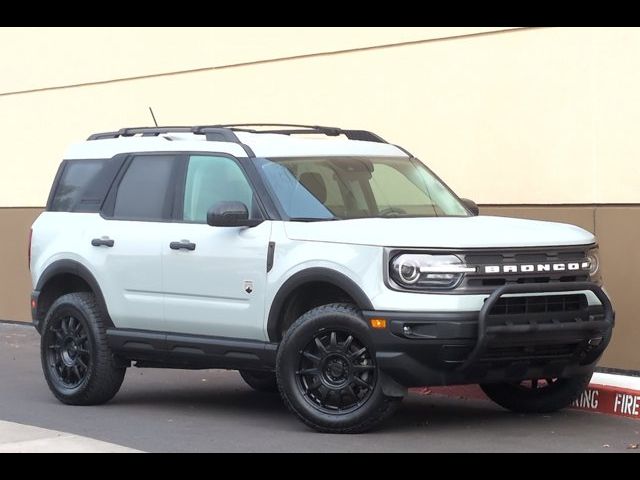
(127, 240)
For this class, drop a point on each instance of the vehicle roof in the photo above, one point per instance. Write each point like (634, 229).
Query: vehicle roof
(262, 145)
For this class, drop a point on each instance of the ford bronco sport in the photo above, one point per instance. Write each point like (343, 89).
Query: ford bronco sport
(324, 263)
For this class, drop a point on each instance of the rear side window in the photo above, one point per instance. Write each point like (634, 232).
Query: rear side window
(76, 176)
(144, 191)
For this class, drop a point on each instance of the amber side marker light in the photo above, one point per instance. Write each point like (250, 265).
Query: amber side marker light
(378, 323)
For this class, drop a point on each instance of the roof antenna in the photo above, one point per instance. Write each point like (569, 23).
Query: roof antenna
(153, 116)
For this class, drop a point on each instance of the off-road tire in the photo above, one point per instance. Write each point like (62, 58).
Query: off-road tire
(560, 394)
(103, 376)
(346, 319)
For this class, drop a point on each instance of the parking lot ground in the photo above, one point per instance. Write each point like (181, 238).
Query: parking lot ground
(193, 411)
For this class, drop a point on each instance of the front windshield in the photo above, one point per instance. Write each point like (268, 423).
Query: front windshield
(327, 188)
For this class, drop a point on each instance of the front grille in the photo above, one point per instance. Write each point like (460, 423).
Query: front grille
(483, 282)
(539, 304)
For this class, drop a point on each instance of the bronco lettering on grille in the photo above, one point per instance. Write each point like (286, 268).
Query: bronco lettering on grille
(538, 267)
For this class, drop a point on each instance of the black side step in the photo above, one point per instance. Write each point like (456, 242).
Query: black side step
(171, 350)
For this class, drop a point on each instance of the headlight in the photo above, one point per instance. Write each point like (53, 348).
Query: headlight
(422, 271)
(593, 258)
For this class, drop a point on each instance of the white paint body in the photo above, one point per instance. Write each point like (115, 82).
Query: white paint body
(148, 286)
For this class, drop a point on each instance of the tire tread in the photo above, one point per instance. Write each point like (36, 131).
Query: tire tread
(509, 397)
(105, 377)
(388, 404)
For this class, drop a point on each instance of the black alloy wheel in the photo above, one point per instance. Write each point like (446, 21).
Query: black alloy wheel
(327, 371)
(336, 372)
(535, 384)
(78, 365)
(68, 351)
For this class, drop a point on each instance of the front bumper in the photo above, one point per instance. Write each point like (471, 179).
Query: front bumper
(496, 344)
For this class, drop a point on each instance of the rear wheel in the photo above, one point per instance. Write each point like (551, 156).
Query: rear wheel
(327, 373)
(262, 381)
(543, 395)
(76, 360)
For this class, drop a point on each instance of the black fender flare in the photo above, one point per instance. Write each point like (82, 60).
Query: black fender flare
(315, 274)
(73, 267)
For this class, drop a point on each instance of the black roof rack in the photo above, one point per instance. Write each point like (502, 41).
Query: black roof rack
(297, 129)
(224, 132)
(145, 131)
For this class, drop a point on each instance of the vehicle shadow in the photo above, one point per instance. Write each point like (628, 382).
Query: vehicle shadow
(229, 396)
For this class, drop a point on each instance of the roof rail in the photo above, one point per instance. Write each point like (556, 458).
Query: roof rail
(212, 134)
(145, 131)
(297, 129)
(224, 132)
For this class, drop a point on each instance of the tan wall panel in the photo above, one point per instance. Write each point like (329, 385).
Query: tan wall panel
(15, 282)
(504, 118)
(581, 216)
(41, 57)
(616, 106)
(618, 230)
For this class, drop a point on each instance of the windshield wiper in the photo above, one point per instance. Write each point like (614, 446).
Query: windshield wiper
(404, 215)
(312, 219)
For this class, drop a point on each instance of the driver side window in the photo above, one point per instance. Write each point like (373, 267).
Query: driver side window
(212, 179)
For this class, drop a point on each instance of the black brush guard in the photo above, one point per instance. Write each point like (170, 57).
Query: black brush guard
(487, 334)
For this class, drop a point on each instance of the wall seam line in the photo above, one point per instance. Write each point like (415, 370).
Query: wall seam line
(264, 61)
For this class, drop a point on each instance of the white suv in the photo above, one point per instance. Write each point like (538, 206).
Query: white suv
(326, 263)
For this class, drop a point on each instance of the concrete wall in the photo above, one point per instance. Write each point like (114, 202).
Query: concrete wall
(544, 116)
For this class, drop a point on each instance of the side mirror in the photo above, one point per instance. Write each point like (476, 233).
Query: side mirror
(230, 214)
(471, 206)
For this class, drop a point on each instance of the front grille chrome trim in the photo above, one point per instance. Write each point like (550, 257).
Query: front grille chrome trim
(448, 269)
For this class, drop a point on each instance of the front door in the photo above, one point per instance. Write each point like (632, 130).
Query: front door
(214, 277)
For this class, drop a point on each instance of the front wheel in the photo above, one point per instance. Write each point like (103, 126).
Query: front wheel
(327, 372)
(543, 395)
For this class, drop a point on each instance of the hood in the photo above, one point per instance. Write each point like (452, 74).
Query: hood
(442, 232)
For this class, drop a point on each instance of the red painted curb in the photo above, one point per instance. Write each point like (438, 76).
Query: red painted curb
(607, 399)
(617, 401)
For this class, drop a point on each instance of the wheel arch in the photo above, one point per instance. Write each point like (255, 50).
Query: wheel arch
(306, 278)
(62, 277)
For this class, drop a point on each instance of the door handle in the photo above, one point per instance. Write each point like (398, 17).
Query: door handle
(102, 242)
(182, 245)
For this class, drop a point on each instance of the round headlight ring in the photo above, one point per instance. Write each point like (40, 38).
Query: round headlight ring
(409, 271)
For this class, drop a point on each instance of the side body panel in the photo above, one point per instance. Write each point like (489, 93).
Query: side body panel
(129, 273)
(219, 288)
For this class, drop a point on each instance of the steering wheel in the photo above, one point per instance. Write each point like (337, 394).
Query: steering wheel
(392, 211)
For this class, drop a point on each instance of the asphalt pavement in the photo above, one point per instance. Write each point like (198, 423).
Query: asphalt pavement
(214, 411)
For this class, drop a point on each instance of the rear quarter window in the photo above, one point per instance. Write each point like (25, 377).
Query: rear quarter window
(73, 181)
